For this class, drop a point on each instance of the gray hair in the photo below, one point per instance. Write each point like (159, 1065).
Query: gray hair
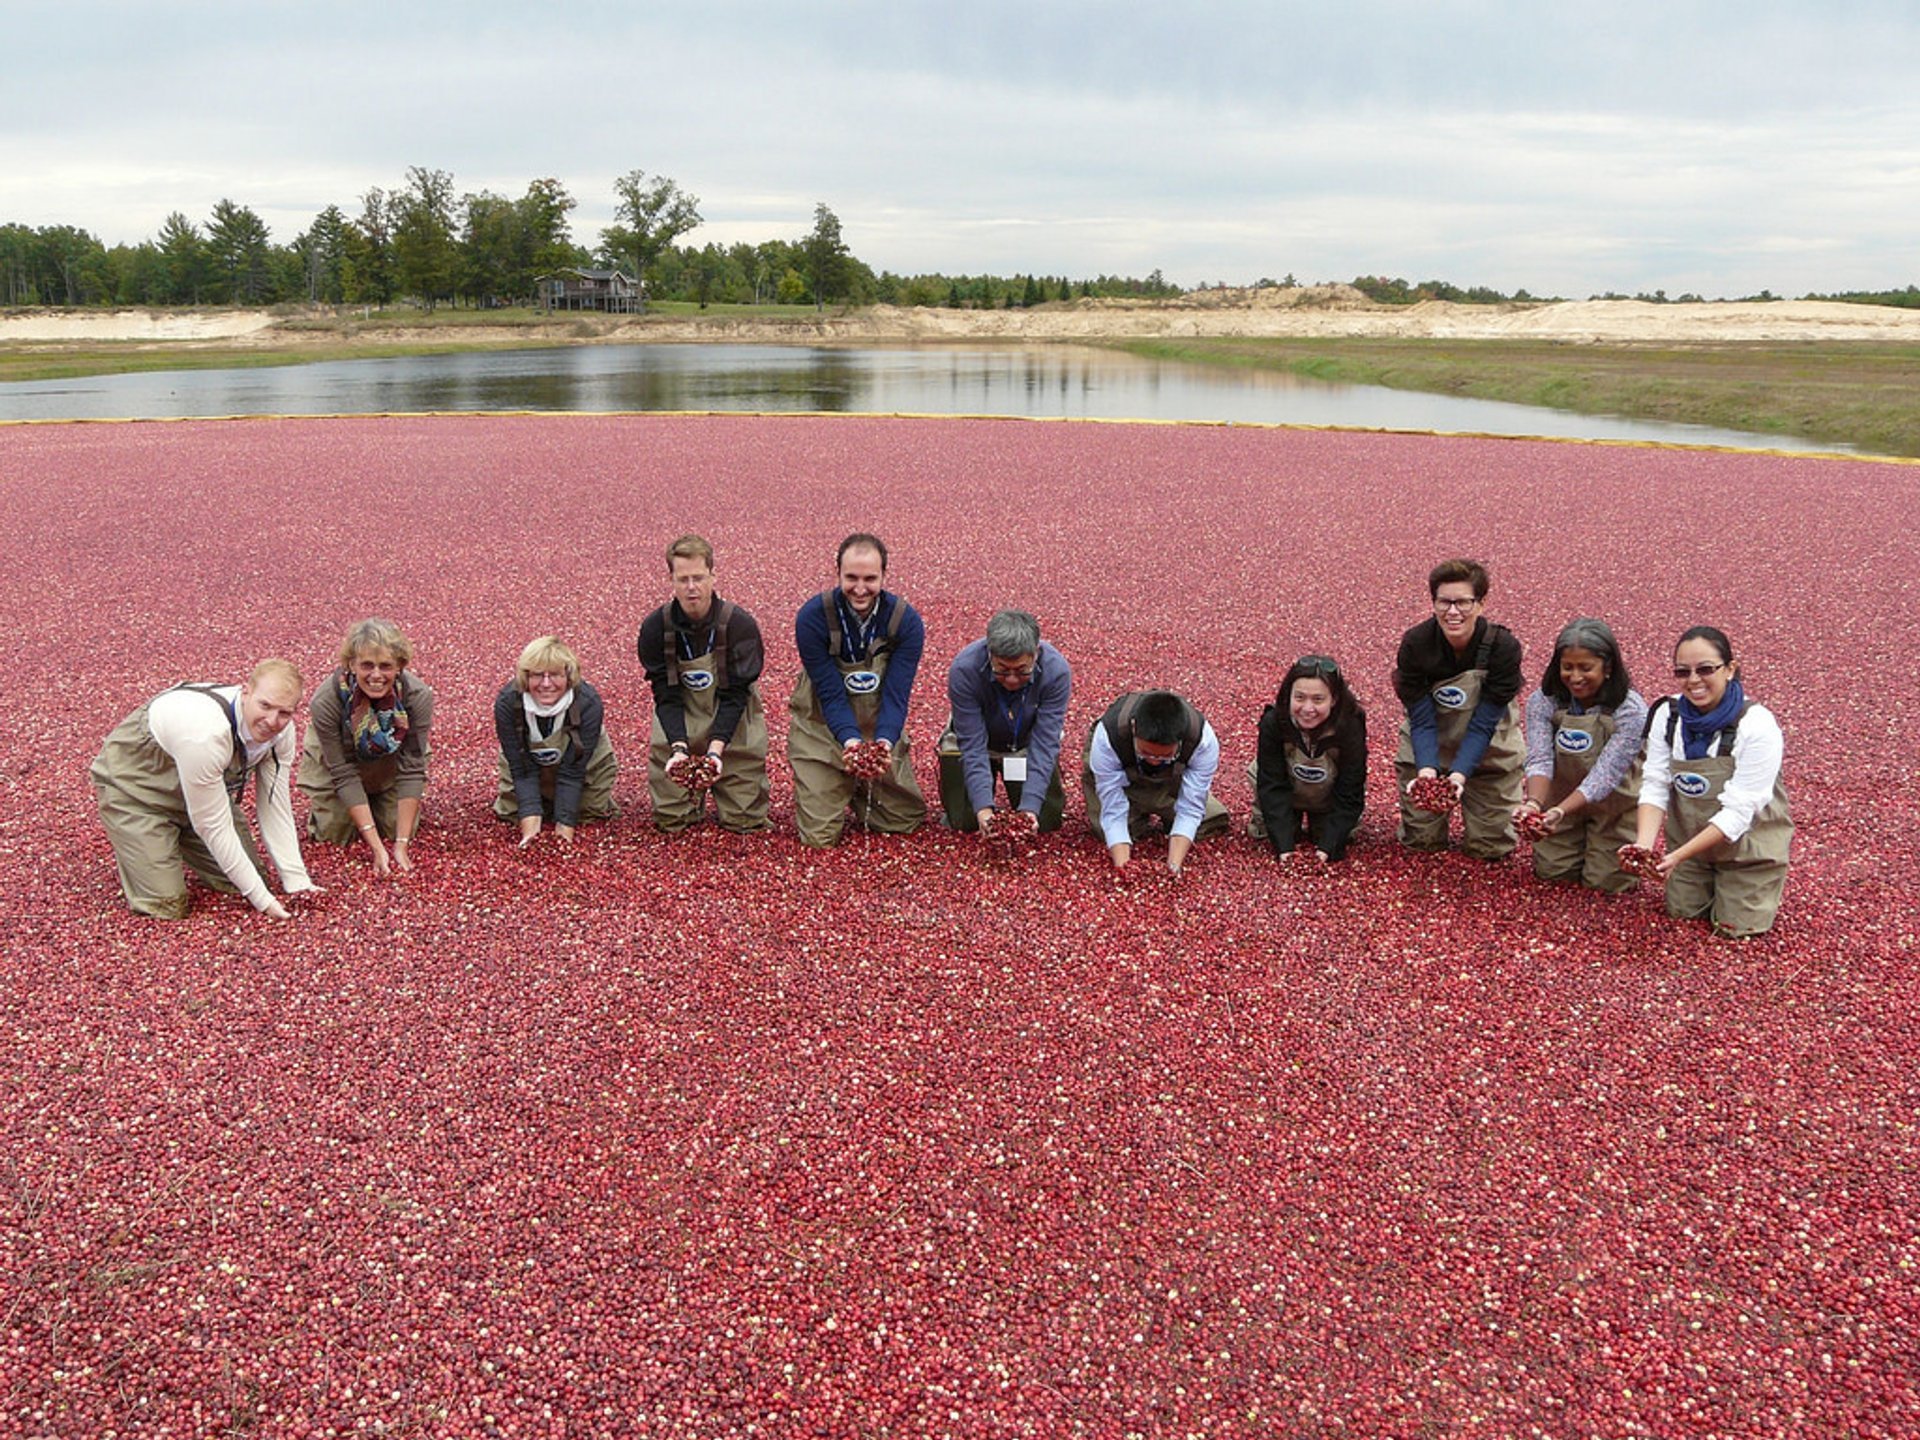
(1011, 633)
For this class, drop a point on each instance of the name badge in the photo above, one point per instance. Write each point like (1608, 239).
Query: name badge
(1691, 785)
(1574, 742)
(862, 682)
(697, 679)
(1450, 697)
(1014, 769)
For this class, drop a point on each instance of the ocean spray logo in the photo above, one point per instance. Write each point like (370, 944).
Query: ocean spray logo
(862, 682)
(1573, 742)
(1691, 785)
(1310, 774)
(697, 679)
(1450, 697)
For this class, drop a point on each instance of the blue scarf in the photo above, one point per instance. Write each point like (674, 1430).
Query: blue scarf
(1698, 730)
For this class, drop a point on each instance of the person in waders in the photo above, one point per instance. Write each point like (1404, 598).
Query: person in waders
(1584, 727)
(169, 780)
(1152, 758)
(1009, 695)
(703, 657)
(363, 768)
(1310, 777)
(1712, 775)
(860, 648)
(1458, 677)
(556, 760)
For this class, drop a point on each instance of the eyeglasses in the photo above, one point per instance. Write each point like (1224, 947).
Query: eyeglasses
(1697, 672)
(1322, 667)
(1462, 605)
(544, 677)
(1010, 672)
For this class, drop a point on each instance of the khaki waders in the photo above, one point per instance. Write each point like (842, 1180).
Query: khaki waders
(596, 791)
(740, 795)
(144, 811)
(328, 818)
(1492, 791)
(1738, 886)
(1313, 777)
(958, 805)
(822, 789)
(1148, 797)
(1586, 847)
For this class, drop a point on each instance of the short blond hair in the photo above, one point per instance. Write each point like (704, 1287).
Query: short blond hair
(277, 670)
(376, 634)
(549, 652)
(689, 547)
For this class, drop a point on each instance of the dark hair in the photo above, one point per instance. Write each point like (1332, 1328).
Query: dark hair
(1451, 572)
(1160, 718)
(1347, 708)
(1587, 633)
(1716, 638)
(861, 541)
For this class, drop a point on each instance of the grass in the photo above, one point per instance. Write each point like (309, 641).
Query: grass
(1845, 393)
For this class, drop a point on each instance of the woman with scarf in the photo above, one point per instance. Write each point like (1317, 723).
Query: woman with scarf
(1712, 771)
(364, 765)
(1310, 780)
(1584, 728)
(556, 760)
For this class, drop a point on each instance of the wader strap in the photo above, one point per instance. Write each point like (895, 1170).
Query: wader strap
(670, 643)
(720, 619)
(830, 602)
(1725, 735)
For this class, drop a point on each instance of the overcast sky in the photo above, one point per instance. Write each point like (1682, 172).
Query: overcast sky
(1721, 148)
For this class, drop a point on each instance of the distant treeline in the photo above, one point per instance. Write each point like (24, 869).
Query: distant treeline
(420, 244)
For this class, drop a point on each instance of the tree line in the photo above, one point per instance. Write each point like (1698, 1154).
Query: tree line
(422, 244)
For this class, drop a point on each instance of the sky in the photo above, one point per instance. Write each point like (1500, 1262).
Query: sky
(1690, 146)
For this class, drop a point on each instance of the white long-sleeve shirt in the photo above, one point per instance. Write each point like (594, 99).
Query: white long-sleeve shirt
(1758, 748)
(1110, 784)
(198, 735)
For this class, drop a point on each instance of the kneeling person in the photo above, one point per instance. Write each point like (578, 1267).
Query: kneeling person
(556, 760)
(1152, 755)
(1009, 695)
(703, 656)
(169, 781)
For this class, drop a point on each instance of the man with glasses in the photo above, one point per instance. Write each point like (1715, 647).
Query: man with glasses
(1458, 675)
(1009, 696)
(1152, 756)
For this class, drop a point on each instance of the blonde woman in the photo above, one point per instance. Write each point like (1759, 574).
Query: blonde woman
(556, 761)
(363, 768)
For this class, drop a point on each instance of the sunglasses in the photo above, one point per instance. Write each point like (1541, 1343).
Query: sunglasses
(1697, 672)
(1322, 667)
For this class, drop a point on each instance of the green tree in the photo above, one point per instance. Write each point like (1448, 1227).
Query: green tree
(366, 251)
(68, 266)
(237, 245)
(546, 233)
(426, 258)
(826, 257)
(491, 249)
(183, 261)
(650, 216)
(322, 255)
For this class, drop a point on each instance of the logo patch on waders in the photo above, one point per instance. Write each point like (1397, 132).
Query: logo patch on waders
(1450, 697)
(862, 682)
(697, 679)
(1574, 742)
(1691, 785)
(1309, 774)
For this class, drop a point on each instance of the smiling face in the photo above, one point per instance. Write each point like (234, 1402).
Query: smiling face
(1457, 611)
(268, 708)
(863, 575)
(1582, 672)
(1703, 691)
(1310, 703)
(693, 585)
(376, 672)
(546, 686)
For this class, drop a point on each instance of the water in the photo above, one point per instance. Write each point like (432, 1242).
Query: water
(1040, 382)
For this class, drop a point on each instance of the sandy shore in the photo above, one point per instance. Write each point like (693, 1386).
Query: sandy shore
(1314, 311)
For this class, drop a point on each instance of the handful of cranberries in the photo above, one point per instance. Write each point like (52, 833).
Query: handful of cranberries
(1638, 860)
(868, 759)
(1533, 824)
(698, 773)
(1434, 793)
(1011, 832)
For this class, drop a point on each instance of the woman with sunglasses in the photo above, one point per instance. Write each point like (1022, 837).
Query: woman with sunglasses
(1712, 773)
(1584, 726)
(1310, 779)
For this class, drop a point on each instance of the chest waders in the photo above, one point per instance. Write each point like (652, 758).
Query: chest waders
(1312, 774)
(740, 795)
(596, 788)
(1586, 847)
(1148, 795)
(1494, 788)
(957, 804)
(137, 786)
(1736, 886)
(822, 789)
(328, 813)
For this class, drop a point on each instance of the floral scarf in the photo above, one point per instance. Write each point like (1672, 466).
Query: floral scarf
(373, 729)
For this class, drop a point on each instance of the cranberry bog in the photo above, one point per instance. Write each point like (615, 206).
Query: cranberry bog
(715, 1135)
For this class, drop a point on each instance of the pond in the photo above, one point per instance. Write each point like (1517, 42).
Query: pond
(1007, 380)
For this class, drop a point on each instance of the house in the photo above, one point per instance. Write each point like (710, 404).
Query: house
(612, 290)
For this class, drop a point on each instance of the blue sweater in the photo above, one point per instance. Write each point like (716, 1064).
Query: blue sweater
(903, 661)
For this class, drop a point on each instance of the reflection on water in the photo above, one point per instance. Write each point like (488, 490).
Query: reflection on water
(1040, 382)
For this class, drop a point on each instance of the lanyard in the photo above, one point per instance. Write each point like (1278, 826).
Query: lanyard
(1015, 710)
(857, 643)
